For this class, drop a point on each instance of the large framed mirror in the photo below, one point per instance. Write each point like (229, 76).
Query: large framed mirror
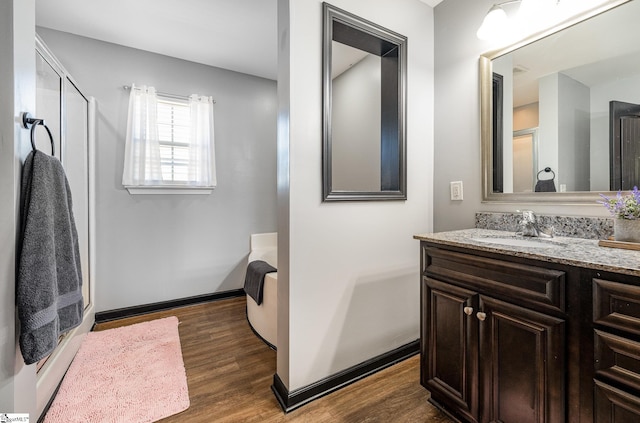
(364, 86)
(559, 115)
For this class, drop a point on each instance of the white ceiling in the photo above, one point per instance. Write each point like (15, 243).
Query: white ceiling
(240, 35)
(432, 3)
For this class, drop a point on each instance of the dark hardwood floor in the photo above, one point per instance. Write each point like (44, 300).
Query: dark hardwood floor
(230, 371)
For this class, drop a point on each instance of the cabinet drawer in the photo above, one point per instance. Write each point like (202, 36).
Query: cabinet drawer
(617, 360)
(528, 285)
(616, 305)
(615, 406)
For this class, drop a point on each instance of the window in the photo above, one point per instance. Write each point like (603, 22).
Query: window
(173, 135)
(169, 145)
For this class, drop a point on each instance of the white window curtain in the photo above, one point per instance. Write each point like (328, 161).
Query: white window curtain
(202, 160)
(143, 158)
(142, 166)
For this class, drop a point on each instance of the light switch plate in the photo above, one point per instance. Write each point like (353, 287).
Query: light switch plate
(456, 190)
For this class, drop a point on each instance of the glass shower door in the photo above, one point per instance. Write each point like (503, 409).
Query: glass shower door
(75, 158)
(69, 115)
(48, 104)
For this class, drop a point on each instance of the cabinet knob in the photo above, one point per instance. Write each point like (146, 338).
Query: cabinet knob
(468, 311)
(481, 316)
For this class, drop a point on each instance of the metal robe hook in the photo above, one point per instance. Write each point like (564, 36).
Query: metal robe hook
(29, 122)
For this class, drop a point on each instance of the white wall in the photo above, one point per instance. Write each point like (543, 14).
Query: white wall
(564, 131)
(352, 288)
(17, 94)
(457, 117)
(574, 134)
(549, 129)
(153, 248)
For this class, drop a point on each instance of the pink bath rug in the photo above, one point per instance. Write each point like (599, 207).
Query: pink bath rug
(130, 374)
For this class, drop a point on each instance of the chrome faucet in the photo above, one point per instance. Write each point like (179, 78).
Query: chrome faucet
(530, 226)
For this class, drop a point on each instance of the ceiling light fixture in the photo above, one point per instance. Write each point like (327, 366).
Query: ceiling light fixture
(495, 22)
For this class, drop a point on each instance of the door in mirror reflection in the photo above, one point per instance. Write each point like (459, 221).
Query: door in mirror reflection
(525, 159)
(624, 133)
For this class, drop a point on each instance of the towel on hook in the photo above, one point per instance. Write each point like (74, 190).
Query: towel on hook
(545, 185)
(49, 280)
(254, 280)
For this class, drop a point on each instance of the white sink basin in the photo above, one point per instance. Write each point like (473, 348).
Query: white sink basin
(520, 242)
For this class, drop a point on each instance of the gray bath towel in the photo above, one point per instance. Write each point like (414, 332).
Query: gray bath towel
(545, 185)
(49, 282)
(254, 280)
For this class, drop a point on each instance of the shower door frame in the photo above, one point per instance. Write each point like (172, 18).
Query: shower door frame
(50, 374)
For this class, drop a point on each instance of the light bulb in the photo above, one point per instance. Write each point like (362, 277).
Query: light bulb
(494, 24)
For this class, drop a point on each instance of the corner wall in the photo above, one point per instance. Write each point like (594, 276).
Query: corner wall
(352, 289)
(153, 248)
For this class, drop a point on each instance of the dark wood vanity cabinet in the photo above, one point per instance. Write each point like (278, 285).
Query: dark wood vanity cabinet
(483, 350)
(616, 318)
(493, 338)
(513, 336)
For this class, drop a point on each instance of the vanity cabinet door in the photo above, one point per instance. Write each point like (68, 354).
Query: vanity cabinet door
(450, 347)
(521, 364)
(614, 405)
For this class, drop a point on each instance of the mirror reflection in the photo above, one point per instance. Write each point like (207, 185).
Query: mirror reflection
(566, 109)
(363, 120)
(355, 118)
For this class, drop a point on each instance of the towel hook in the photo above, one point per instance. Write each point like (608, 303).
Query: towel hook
(31, 122)
(547, 170)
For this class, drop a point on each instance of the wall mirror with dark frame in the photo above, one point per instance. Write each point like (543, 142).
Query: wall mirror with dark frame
(364, 85)
(560, 114)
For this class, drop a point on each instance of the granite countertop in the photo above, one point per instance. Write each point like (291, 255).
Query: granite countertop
(564, 250)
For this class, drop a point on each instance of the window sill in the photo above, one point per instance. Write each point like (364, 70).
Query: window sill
(168, 189)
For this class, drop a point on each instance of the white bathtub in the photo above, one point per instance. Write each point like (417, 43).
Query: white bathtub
(263, 317)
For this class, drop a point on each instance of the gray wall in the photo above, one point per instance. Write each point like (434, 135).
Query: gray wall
(356, 100)
(154, 248)
(457, 118)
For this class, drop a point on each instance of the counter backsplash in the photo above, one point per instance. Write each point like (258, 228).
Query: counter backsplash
(570, 226)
